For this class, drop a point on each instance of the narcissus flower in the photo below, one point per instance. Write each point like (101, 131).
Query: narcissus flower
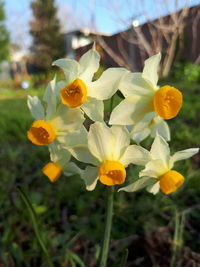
(54, 120)
(60, 163)
(80, 91)
(158, 172)
(150, 125)
(142, 96)
(109, 151)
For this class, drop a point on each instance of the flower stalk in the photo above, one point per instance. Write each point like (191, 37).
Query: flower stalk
(178, 237)
(108, 225)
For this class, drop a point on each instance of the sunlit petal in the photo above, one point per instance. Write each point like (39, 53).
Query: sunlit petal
(150, 71)
(89, 64)
(36, 108)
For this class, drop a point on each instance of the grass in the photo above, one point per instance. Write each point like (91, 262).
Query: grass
(71, 219)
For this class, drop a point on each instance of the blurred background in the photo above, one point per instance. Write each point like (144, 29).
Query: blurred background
(155, 229)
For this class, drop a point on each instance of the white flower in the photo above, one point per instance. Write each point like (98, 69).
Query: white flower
(109, 151)
(150, 125)
(60, 163)
(53, 120)
(80, 91)
(158, 172)
(143, 96)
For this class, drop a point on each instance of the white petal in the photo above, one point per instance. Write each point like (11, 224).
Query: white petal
(49, 91)
(67, 119)
(136, 155)
(70, 68)
(139, 184)
(184, 154)
(36, 108)
(123, 114)
(58, 153)
(71, 168)
(94, 109)
(134, 84)
(154, 189)
(82, 153)
(130, 110)
(140, 136)
(78, 137)
(89, 64)
(50, 99)
(121, 141)
(154, 169)
(161, 128)
(90, 176)
(144, 122)
(150, 71)
(58, 87)
(142, 129)
(106, 86)
(53, 150)
(101, 141)
(160, 150)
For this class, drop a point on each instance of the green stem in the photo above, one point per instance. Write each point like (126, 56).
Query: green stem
(178, 237)
(175, 240)
(106, 240)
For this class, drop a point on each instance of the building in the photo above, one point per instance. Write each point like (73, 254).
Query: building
(78, 39)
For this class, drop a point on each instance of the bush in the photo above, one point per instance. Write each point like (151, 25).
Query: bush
(186, 72)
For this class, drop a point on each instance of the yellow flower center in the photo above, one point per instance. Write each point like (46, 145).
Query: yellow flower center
(74, 94)
(52, 170)
(112, 173)
(167, 102)
(170, 181)
(41, 133)
(152, 122)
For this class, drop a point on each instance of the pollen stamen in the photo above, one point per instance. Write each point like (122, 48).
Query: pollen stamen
(74, 94)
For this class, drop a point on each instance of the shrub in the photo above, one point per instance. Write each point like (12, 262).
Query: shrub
(186, 72)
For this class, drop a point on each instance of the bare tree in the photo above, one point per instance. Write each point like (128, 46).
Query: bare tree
(164, 34)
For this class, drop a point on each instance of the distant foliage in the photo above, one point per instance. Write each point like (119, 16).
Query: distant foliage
(4, 35)
(187, 72)
(48, 41)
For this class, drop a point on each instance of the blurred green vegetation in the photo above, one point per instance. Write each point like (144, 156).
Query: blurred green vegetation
(71, 219)
(186, 71)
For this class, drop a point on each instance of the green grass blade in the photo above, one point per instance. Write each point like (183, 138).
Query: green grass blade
(35, 225)
(124, 259)
(77, 259)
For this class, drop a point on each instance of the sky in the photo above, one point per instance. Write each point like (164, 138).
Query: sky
(105, 16)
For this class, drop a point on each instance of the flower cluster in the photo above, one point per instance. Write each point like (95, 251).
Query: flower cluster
(106, 147)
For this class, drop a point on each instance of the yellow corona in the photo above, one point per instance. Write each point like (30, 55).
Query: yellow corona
(170, 181)
(41, 133)
(112, 173)
(52, 170)
(167, 102)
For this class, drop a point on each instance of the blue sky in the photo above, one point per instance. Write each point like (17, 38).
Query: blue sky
(102, 15)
